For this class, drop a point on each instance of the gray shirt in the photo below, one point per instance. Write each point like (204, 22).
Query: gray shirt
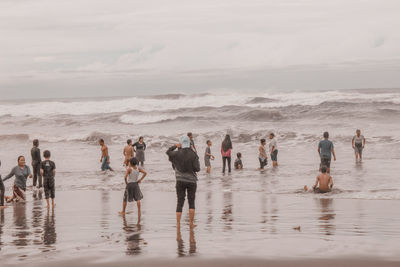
(325, 147)
(208, 151)
(20, 176)
(358, 141)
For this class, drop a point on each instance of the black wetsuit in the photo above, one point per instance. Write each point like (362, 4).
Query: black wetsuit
(48, 167)
(36, 160)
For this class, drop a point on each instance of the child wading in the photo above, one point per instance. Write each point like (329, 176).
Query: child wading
(48, 171)
(132, 190)
(208, 156)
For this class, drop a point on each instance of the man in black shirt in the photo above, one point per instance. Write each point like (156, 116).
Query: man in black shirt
(48, 170)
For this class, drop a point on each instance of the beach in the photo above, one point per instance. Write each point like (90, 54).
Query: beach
(258, 218)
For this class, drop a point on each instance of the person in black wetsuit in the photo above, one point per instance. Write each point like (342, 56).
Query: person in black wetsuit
(140, 147)
(36, 160)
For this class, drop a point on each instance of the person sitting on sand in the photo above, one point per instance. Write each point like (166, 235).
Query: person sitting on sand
(323, 183)
(105, 158)
(208, 156)
(358, 144)
(238, 162)
(21, 173)
(128, 152)
(262, 156)
(132, 190)
(187, 164)
(325, 151)
(48, 171)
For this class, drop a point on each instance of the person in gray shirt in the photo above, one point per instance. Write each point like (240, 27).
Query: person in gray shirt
(325, 151)
(21, 173)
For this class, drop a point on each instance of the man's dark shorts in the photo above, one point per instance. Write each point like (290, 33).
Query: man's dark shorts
(326, 162)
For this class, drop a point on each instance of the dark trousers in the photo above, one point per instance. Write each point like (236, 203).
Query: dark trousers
(49, 187)
(36, 174)
(226, 160)
(181, 189)
(2, 189)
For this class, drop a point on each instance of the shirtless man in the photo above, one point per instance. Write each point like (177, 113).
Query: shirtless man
(128, 152)
(323, 183)
(105, 158)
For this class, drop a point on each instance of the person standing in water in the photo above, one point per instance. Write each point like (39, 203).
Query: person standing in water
(273, 149)
(192, 145)
(358, 144)
(208, 156)
(2, 192)
(48, 171)
(325, 151)
(132, 190)
(226, 152)
(21, 173)
(187, 165)
(262, 156)
(128, 152)
(140, 148)
(36, 160)
(105, 158)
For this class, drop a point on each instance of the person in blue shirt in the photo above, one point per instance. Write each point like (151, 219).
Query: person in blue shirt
(325, 151)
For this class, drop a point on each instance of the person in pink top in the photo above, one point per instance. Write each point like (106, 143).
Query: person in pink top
(226, 151)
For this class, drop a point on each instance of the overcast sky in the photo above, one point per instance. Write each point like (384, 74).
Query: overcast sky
(75, 48)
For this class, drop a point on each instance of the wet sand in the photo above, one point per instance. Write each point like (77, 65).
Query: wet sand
(85, 224)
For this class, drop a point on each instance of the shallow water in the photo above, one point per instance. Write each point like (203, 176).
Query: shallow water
(247, 213)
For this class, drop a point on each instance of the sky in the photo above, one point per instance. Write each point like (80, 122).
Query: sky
(83, 48)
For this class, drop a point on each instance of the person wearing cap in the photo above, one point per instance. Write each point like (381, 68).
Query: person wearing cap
(187, 164)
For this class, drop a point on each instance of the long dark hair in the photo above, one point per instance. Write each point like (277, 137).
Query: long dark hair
(227, 143)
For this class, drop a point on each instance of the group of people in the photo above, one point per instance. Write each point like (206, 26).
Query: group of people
(45, 169)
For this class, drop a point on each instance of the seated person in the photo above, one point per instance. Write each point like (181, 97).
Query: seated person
(323, 183)
(238, 162)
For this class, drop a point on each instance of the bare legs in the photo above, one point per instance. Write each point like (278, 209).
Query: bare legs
(139, 207)
(191, 219)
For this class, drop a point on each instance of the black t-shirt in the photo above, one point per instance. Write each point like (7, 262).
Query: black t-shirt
(48, 167)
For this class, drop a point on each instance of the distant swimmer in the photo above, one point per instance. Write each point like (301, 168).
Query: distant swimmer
(140, 147)
(132, 189)
(358, 144)
(192, 145)
(208, 156)
(326, 150)
(105, 158)
(36, 160)
(273, 149)
(128, 152)
(187, 165)
(323, 183)
(238, 162)
(262, 155)
(21, 173)
(226, 152)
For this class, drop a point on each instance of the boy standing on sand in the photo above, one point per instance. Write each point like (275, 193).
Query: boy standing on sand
(48, 171)
(105, 158)
(128, 152)
(323, 183)
(325, 151)
(208, 156)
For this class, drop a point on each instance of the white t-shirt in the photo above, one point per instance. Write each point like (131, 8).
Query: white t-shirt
(272, 143)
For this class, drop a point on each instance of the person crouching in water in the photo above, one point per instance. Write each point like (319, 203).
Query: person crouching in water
(21, 173)
(187, 164)
(132, 190)
(48, 171)
(323, 183)
(238, 162)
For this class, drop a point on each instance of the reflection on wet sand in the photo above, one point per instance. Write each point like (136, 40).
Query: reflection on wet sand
(181, 244)
(105, 199)
(21, 226)
(227, 215)
(49, 231)
(133, 237)
(1, 227)
(209, 203)
(274, 215)
(327, 216)
(37, 216)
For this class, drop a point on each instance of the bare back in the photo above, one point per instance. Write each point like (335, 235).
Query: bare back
(128, 152)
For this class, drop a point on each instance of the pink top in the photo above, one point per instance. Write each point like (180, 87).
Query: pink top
(226, 153)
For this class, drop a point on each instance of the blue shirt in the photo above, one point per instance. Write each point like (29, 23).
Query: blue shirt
(325, 147)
